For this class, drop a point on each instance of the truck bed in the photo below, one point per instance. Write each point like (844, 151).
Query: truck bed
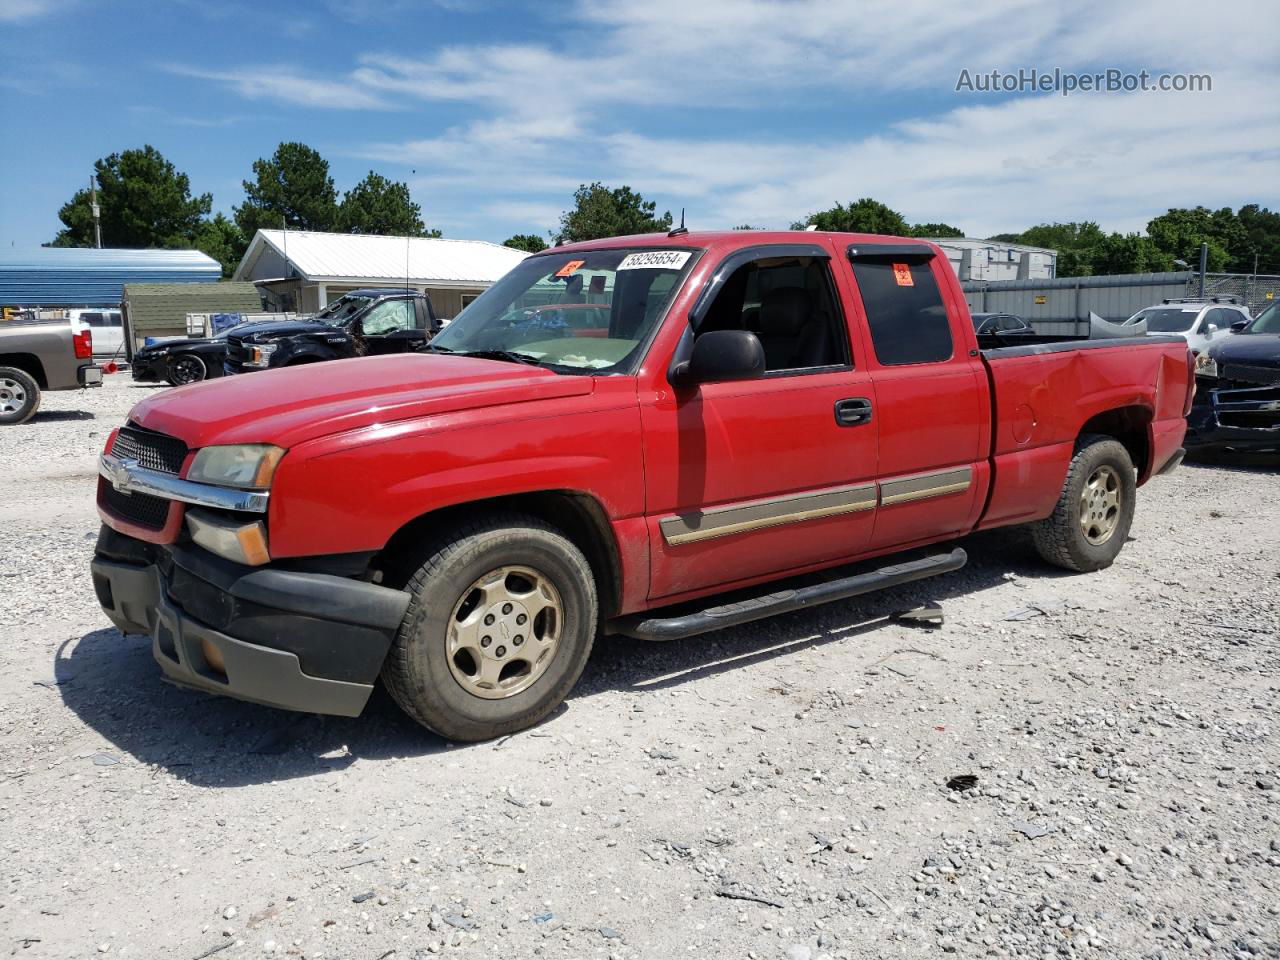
(994, 346)
(1132, 388)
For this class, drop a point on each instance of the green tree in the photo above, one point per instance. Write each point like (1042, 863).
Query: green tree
(381, 206)
(529, 242)
(292, 187)
(600, 212)
(861, 216)
(1129, 253)
(1180, 231)
(144, 200)
(747, 226)
(221, 239)
(1261, 238)
(935, 230)
(1078, 244)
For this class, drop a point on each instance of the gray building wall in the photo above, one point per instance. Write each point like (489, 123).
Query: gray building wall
(1062, 306)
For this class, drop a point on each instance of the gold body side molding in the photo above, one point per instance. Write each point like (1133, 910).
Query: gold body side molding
(771, 512)
(925, 485)
(775, 511)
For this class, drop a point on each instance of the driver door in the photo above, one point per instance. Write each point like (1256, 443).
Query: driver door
(748, 479)
(393, 326)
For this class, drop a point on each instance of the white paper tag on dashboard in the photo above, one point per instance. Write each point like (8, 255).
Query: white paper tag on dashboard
(655, 260)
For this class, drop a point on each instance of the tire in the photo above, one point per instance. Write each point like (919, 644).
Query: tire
(19, 396)
(1091, 520)
(185, 368)
(493, 571)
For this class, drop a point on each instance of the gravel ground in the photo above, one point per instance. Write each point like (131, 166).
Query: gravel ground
(774, 791)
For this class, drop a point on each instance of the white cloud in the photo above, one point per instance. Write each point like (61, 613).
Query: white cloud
(13, 11)
(285, 85)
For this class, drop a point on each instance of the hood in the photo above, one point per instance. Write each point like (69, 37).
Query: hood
(294, 404)
(1258, 349)
(164, 345)
(282, 328)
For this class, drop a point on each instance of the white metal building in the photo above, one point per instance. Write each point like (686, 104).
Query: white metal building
(303, 271)
(974, 259)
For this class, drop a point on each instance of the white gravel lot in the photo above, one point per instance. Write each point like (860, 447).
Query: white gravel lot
(772, 791)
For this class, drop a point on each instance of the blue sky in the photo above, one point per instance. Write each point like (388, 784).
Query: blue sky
(743, 111)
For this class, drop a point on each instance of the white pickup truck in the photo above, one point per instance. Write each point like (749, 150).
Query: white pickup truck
(38, 355)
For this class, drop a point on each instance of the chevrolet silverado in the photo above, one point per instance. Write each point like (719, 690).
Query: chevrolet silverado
(743, 407)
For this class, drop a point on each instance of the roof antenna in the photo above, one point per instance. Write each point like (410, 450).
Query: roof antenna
(680, 230)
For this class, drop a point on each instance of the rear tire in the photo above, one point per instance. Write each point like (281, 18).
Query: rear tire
(501, 624)
(1091, 520)
(19, 396)
(185, 368)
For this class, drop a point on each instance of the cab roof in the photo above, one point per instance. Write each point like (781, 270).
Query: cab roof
(732, 239)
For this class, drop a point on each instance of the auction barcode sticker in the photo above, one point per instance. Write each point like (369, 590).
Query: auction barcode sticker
(655, 260)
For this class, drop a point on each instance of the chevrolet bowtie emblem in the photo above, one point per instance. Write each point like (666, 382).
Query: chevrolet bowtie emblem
(120, 470)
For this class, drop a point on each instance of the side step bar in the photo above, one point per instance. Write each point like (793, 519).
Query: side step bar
(646, 626)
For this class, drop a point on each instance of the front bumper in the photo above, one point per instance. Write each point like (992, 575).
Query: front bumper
(146, 369)
(300, 641)
(1241, 418)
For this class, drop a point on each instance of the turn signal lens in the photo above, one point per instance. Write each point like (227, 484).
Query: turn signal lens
(230, 539)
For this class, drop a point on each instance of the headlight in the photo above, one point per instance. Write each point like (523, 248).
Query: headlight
(260, 354)
(1206, 366)
(248, 466)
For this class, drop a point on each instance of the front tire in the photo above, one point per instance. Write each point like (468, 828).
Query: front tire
(19, 396)
(186, 368)
(501, 624)
(1091, 520)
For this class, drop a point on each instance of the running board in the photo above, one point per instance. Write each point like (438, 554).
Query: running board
(646, 626)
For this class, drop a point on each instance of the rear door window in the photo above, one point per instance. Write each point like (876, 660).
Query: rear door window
(905, 311)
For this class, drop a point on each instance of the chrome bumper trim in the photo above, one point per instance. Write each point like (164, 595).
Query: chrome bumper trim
(128, 476)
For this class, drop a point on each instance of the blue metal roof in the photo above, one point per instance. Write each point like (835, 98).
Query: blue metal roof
(75, 276)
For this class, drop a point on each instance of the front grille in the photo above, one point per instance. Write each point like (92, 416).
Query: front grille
(155, 451)
(140, 508)
(1249, 373)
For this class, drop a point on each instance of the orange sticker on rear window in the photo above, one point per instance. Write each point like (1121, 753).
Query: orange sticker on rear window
(570, 268)
(902, 273)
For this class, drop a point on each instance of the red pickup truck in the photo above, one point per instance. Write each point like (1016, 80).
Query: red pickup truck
(740, 408)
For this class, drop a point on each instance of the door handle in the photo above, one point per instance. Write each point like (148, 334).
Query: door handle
(853, 412)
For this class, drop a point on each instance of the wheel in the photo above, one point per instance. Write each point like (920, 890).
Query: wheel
(185, 368)
(1091, 520)
(500, 626)
(19, 396)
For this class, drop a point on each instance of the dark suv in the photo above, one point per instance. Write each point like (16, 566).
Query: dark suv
(362, 323)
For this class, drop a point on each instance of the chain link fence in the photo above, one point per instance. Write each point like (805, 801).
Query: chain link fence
(1255, 292)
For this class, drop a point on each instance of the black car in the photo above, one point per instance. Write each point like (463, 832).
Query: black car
(361, 323)
(1004, 324)
(182, 361)
(1237, 404)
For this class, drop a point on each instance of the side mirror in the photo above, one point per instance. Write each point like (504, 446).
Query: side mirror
(1239, 325)
(720, 356)
(1210, 330)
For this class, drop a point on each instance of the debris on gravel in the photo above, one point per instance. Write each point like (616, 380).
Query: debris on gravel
(1068, 766)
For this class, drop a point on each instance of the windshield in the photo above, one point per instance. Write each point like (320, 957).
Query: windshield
(589, 311)
(1166, 319)
(1268, 321)
(342, 309)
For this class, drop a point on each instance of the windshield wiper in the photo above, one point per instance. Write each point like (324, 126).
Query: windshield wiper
(508, 355)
